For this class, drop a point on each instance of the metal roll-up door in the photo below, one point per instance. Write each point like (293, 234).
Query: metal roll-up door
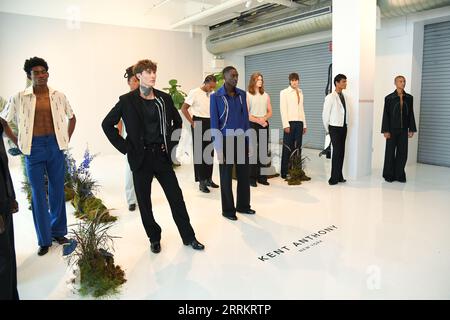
(311, 63)
(434, 132)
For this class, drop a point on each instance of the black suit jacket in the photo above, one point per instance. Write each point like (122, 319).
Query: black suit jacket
(129, 109)
(396, 118)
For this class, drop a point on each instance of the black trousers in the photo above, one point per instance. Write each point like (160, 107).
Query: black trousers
(291, 141)
(396, 155)
(8, 269)
(235, 151)
(156, 164)
(261, 146)
(338, 136)
(202, 169)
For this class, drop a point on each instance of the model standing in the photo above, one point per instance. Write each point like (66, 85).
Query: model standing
(198, 100)
(293, 120)
(398, 125)
(45, 122)
(260, 111)
(335, 120)
(150, 117)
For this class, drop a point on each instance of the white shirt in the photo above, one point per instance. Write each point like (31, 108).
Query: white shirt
(199, 102)
(291, 109)
(22, 107)
(333, 110)
(124, 131)
(258, 104)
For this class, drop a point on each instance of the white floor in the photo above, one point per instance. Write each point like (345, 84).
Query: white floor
(389, 241)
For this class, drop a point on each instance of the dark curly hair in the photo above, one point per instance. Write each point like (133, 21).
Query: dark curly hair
(210, 78)
(129, 73)
(34, 62)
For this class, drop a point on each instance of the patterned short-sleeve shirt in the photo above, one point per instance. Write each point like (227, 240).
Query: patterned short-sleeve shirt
(22, 107)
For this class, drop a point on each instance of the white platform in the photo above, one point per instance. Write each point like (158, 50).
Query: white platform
(392, 240)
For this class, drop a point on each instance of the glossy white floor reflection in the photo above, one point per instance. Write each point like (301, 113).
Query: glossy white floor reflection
(392, 241)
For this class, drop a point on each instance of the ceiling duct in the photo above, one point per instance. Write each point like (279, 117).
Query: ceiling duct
(395, 8)
(289, 23)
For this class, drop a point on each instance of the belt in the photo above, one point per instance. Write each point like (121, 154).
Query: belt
(155, 146)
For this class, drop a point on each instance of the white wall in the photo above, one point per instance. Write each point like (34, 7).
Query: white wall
(88, 64)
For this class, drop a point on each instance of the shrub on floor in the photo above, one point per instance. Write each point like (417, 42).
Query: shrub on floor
(296, 173)
(86, 205)
(97, 274)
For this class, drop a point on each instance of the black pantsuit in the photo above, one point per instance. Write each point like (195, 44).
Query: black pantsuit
(398, 121)
(157, 164)
(202, 169)
(396, 155)
(261, 147)
(238, 155)
(148, 160)
(338, 136)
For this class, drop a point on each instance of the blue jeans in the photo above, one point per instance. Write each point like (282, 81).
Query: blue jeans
(49, 216)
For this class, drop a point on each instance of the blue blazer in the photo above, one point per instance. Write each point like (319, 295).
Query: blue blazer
(228, 113)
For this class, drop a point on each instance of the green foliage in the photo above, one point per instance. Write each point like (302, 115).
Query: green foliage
(87, 208)
(69, 193)
(86, 205)
(2, 104)
(26, 186)
(98, 274)
(220, 80)
(177, 95)
(295, 167)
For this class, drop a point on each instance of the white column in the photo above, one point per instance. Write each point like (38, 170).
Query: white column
(354, 37)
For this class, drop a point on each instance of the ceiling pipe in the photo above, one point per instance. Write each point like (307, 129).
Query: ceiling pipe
(218, 43)
(286, 3)
(395, 8)
(208, 12)
(226, 6)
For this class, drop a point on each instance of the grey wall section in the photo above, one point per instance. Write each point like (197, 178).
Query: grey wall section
(434, 132)
(311, 63)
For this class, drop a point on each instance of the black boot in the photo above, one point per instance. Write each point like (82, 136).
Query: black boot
(212, 184)
(203, 186)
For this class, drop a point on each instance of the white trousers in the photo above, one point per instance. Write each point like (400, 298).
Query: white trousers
(129, 184)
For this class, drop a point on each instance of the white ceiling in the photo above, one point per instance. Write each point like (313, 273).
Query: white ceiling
(159, 14)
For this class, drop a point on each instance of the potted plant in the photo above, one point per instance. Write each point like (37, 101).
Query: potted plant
(296, 173)
(178, 96)
(94, 270)
(219, 80)
(86, 204)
